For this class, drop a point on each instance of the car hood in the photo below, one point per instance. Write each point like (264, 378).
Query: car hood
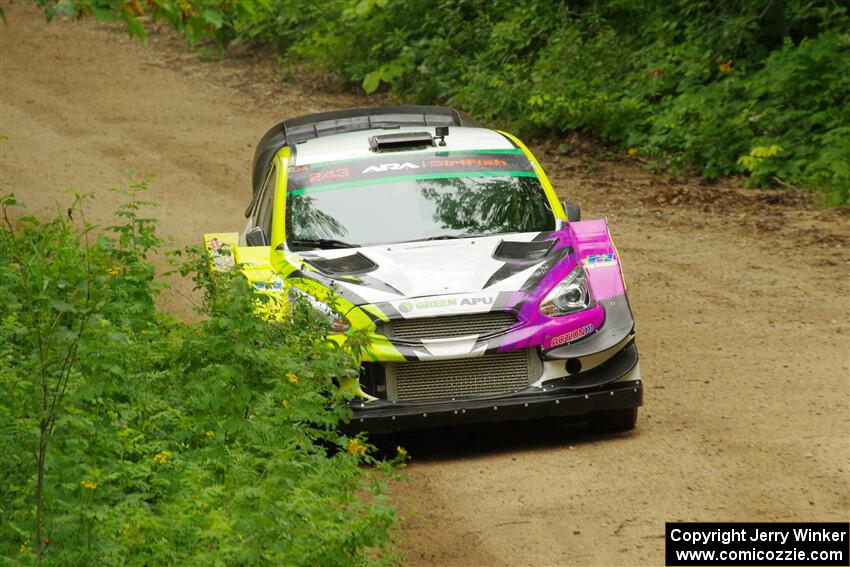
(488, 265)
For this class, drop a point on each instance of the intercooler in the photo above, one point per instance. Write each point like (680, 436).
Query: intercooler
(480, 324)
(447, 379)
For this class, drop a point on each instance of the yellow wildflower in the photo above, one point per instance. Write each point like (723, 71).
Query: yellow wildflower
(402, 452)
(162, 457)
(356, 448)
(285, 403)
(632, 152)
(292, 377)
(210, 434)
(114, 271)
(89, 484)
(725, 67)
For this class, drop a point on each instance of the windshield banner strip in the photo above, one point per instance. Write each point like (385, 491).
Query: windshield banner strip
(417, 153)
(382, 180)
(322, 174)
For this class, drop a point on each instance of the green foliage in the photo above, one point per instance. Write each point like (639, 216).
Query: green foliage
(691, 84)
(162, 442)
(761, 162)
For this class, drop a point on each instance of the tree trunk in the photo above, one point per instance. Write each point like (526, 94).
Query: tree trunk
(39, 494)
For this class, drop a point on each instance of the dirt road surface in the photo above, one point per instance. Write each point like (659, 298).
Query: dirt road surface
(741, 302)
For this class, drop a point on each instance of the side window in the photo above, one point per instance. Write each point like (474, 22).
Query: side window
(263, 217)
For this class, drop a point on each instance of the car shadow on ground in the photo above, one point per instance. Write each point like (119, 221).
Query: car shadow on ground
(470, 441)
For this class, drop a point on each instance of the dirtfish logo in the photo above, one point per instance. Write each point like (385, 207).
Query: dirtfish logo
(383, 167)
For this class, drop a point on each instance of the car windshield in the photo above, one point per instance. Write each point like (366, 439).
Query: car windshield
(390, 199)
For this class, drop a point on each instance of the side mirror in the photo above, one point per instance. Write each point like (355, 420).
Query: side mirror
(256, 237)
(573, 211)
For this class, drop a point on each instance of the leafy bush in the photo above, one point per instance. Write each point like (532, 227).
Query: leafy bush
(131, 438)
(692, 84)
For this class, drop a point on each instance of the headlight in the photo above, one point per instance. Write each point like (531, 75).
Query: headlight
(337, 322)
(569, 296)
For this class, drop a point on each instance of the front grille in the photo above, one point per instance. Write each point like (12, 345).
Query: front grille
(448, 326)
(447, 379)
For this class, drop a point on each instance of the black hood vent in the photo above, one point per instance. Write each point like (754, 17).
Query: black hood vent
(523, 251)
(351, 265)
(517, 256)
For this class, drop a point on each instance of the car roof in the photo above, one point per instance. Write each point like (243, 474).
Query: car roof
(355, 145)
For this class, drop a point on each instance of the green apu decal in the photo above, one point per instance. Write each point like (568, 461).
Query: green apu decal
(408, 306)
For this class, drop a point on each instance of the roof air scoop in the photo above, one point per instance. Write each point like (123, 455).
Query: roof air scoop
(401, 141)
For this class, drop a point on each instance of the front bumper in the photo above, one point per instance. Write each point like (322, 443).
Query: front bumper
(617, 386)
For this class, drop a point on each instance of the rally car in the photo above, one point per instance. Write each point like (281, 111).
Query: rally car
(482, 295)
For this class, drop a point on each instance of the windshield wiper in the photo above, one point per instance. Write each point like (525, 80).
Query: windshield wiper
(445, 237)
(322, 243)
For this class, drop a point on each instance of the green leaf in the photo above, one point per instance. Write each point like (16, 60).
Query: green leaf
(134, 27)
(103, 15)
(372, 81)
(213, 17)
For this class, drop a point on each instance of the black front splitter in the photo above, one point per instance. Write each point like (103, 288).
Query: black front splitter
(532, 403)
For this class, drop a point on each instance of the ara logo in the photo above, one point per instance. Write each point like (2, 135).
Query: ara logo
(382, 167)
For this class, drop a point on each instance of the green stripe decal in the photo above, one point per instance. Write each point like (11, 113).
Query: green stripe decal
(379, 181)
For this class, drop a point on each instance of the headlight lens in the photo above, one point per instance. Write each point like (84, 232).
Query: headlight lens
(569, 296)
(337, 322)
